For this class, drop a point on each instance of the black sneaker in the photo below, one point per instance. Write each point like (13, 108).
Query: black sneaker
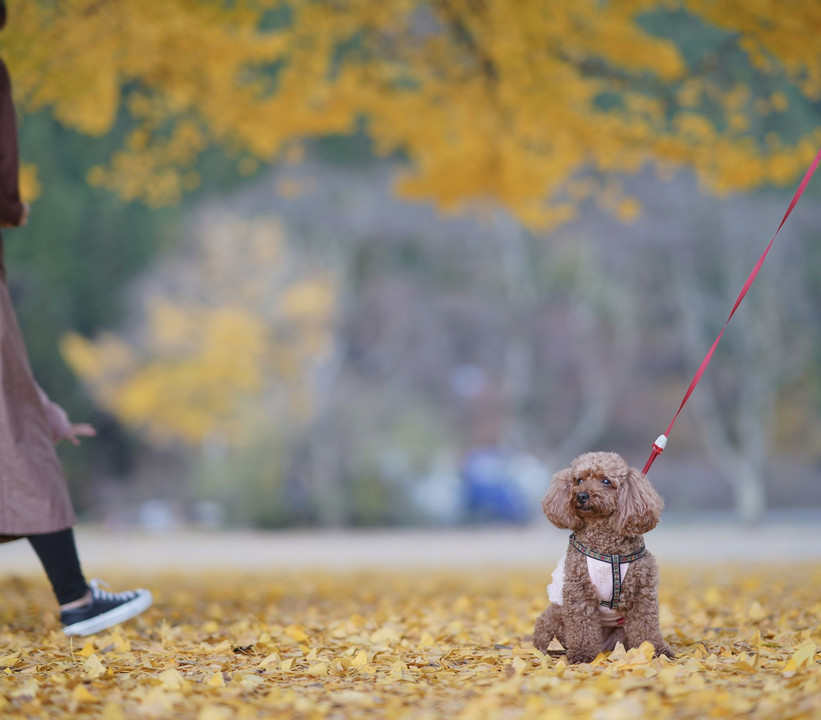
(104, 610)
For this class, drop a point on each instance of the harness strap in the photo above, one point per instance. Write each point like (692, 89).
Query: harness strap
(615, 562)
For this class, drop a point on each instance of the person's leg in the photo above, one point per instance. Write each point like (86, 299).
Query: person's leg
(58, 555)
(84, 608)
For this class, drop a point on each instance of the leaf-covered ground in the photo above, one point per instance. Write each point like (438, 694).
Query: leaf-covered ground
(412, 645)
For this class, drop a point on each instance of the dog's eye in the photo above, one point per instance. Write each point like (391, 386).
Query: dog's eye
(578, 481)
(606, 481)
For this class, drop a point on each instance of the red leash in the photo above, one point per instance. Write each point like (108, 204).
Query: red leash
(661, 441)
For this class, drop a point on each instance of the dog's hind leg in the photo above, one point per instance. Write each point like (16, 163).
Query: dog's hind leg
(641, 607)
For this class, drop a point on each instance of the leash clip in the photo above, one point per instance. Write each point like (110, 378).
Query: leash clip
(658, 449)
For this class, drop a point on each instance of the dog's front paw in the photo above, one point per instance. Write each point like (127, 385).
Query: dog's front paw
(541, 643)
(576, 657)
(664, 650)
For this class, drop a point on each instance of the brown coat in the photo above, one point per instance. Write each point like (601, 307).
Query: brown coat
(11, 209)
(34, 498)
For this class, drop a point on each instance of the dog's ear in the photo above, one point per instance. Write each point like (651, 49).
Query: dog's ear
(557, 503)
(640, 505)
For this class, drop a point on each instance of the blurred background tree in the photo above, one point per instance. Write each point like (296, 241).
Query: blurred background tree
(525, 116)
(486, 99)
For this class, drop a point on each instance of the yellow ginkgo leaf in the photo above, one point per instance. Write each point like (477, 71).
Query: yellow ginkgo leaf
(747, 662)
(81, 695)
(93, 667)
(427, 640)
(271, 659)
(400, 671)
(804, 654)
(318, 670)
(296, 633)
(385, 636)
(215, 680)
(171, 679)
(9, 660)
(88, 649)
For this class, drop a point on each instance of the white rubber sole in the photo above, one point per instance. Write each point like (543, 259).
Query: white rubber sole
(117, 615)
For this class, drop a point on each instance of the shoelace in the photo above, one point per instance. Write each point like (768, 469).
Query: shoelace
(103, 595)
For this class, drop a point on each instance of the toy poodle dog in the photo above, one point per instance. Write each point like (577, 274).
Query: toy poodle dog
(605, 588)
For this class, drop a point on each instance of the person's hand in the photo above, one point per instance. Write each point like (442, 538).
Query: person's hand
(79, 430)
(62, 428)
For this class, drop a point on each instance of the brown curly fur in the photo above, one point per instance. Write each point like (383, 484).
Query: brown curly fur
(612, 520)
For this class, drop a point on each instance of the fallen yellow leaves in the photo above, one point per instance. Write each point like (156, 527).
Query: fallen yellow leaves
(803, 655)
(93, 667)
(413, 645)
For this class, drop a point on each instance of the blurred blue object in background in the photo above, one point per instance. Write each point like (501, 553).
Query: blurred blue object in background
(490, 488)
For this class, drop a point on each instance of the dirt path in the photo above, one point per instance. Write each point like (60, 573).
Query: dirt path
(541, 545)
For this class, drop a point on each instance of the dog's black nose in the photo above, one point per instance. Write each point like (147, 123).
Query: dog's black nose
(582, 497)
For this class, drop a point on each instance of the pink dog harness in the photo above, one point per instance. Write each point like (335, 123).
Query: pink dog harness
(607, 573)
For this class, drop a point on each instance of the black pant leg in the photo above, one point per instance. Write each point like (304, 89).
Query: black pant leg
(58, 554)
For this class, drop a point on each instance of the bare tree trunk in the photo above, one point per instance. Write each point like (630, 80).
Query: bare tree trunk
(521, 294)
(325, 461)
(602, 339)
